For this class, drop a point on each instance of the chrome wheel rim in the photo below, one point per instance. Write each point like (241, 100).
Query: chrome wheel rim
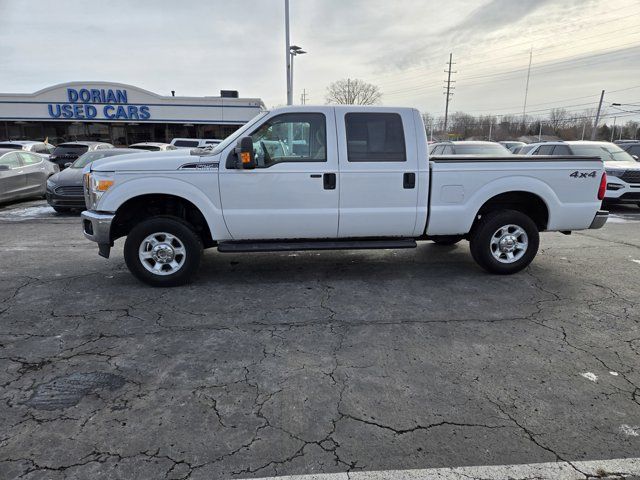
(509, 243)
(162, 253)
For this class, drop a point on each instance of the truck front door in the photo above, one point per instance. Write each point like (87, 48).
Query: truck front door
(378, 173)
(293, 191)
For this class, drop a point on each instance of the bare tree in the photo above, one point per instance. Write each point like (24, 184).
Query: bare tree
(353, 92)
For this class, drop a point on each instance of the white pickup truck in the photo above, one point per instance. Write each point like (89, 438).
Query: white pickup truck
(316, 178)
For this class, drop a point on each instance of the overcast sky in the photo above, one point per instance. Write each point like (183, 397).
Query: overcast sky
(199, 47)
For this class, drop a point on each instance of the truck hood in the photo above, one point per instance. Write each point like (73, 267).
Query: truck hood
(625, 165)
(149, 161)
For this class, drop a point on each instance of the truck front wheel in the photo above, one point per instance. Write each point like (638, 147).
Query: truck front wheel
(504, 241)
(163, 252)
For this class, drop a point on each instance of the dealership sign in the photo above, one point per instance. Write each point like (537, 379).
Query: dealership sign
(98, 103)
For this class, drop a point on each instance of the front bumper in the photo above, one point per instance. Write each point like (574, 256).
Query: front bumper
(97, 228)
(600, 219)
(68, 201)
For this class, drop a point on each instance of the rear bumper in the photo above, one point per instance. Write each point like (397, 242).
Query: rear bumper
(600, 219)
(97, 228)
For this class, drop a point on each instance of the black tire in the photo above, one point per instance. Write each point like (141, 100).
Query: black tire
(184, 234)
(483, 233)
(446, 240)
(61, 209)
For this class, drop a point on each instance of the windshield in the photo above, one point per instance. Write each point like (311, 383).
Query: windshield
(150, 148)
(606, 152)
(13, 146)
(186, 143)
(481, 149)
(70, 149)
(89, 157)
(238, 133)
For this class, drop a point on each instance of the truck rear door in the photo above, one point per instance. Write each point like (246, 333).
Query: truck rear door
(378, 163)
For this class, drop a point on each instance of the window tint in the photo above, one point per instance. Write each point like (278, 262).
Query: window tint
(70, 149)
(561, 150)
(544, 150)
(11, 159)
(14, 146)
(291, 137)
(29, 158)
(375, 137)
(524, 149)
(186, 143)
(634, 150)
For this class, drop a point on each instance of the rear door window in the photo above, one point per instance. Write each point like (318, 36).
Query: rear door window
(375, 137)
(11, 159)
(545, 150)
(29, 158)
(561, 150)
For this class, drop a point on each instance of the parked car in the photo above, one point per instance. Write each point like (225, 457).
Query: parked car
(469, 148)
(67, 153)
(65, 189)
(623, 170)
(23, 174)
(41, 148)
(632, 147)
(153, 146)
(194, 142)
(512, 145)
(363, 181)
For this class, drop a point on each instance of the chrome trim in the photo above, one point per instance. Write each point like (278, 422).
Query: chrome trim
(600, 219)
(100, 224)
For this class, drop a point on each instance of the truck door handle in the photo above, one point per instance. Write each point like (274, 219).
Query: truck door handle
(409, 180)
(329, 181)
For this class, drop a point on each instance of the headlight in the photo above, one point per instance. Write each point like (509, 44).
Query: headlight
(96, 184)
(614, 173)
(50, 185)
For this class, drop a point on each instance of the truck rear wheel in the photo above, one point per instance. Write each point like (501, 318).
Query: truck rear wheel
(504, 241)
(163, 252)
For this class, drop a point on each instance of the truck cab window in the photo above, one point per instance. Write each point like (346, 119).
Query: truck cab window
(291, 137)
(375, 137)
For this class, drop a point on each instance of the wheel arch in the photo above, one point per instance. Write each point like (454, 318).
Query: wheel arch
(140, 198)
(531, 204)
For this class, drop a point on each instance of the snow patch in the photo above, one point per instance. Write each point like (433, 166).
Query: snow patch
(630, 431)
(590, 376)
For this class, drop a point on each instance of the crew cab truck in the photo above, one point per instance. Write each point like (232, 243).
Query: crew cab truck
(333, 177)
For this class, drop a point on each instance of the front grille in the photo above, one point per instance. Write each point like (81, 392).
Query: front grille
(71, 190)
(631, 176)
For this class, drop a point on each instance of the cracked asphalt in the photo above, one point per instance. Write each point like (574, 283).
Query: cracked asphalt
(294, 363)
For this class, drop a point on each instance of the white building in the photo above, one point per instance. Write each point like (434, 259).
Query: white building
(119, 114)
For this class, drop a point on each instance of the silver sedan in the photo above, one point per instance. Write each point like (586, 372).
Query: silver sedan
(23, 174)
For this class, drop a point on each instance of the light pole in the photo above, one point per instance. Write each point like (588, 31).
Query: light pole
(287, 54)
(293, 51)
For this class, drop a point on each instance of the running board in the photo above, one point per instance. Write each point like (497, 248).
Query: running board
(233, 247)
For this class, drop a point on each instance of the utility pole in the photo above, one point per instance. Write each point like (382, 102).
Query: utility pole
(303, 96)
(584, 126)
(613, 130)
(288, 52)
(490, 126)
(448, 92)
(526, 92)
(595, 124)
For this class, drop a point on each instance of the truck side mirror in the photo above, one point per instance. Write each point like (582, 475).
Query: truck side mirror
(636, 157)
(67, 165)
(246, 155)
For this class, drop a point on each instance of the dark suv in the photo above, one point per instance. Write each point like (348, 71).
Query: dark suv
(67, 153)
